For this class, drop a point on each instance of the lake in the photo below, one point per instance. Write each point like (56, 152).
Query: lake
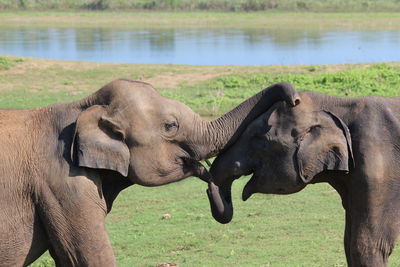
(202, 46)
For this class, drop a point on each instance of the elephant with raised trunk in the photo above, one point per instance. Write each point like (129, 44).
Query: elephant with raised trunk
(351, 143)
(62, 166)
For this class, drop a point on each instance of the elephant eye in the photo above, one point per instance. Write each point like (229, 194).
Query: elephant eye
(170, 126)
(315, 129)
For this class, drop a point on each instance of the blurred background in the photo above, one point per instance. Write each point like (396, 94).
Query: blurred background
(248, 38)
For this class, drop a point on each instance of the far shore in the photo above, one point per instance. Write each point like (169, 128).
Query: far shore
(197, 19)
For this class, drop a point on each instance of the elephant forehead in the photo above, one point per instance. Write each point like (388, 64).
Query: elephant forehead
(135, 98)
(139, 113)
(291, 122)
(132, 104)
(150, 106)
(125, 93)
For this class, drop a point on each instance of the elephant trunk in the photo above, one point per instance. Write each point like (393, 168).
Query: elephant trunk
(219, 134)
(221, 202)
(219, 197)
(222, 132)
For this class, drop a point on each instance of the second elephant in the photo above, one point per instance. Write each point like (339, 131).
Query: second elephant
(351, 143)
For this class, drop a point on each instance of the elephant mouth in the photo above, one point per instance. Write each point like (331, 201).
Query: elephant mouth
(219, 197)
(195, 168)
(250, 188)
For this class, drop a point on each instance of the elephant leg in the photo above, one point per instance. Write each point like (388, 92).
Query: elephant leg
(81, 242)
(370, 238)
(22, 237)
(368, 248)
(74, 222)
(343, 192)
(347, 239)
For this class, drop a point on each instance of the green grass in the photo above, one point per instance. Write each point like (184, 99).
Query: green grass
(225, 92)
(210, 97)
(303, 229)
(7, 62)
(233, 20)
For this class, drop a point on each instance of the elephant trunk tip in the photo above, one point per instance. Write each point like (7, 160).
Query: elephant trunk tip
(296, 101)
(288, 93)
(221, 208)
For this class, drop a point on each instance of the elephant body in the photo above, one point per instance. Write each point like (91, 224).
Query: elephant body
(62, 166)
(351, 143)
(47, 202)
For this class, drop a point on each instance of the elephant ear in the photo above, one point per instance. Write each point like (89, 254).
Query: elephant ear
(325, 146)
(99, 142)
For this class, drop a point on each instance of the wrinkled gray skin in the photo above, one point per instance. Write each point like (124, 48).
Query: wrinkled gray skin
(62, 166)
(351, 143)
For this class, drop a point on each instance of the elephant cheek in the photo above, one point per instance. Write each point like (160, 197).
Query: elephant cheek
(144, 175)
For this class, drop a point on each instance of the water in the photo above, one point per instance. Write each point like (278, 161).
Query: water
(202, 46)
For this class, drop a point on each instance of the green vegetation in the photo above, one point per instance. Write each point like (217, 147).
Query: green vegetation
(272, 21)
(225, 92)
(209, 90)
(7, 62)
(303, 229)
(225, 5)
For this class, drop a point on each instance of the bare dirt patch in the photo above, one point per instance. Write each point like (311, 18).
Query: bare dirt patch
(174, 80)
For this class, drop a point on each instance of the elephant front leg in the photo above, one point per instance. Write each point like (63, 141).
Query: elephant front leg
(80, 243)
(369, 242)
(347, 239)
(75, 227)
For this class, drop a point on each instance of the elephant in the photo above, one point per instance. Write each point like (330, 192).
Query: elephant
(353, 144)
(62, 166)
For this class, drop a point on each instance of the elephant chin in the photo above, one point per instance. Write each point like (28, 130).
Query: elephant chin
(220, 202)
(249, 189)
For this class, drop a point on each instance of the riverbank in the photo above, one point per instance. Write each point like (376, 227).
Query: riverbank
(207, 5)
(254, 20)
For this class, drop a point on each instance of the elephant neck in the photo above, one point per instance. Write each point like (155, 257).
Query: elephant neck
(112, 184)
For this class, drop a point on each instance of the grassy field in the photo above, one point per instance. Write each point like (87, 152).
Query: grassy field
(232, 5)
(159, 20)
(303, 229)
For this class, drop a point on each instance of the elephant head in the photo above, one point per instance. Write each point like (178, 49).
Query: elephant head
(129, 128)
(285, 149)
